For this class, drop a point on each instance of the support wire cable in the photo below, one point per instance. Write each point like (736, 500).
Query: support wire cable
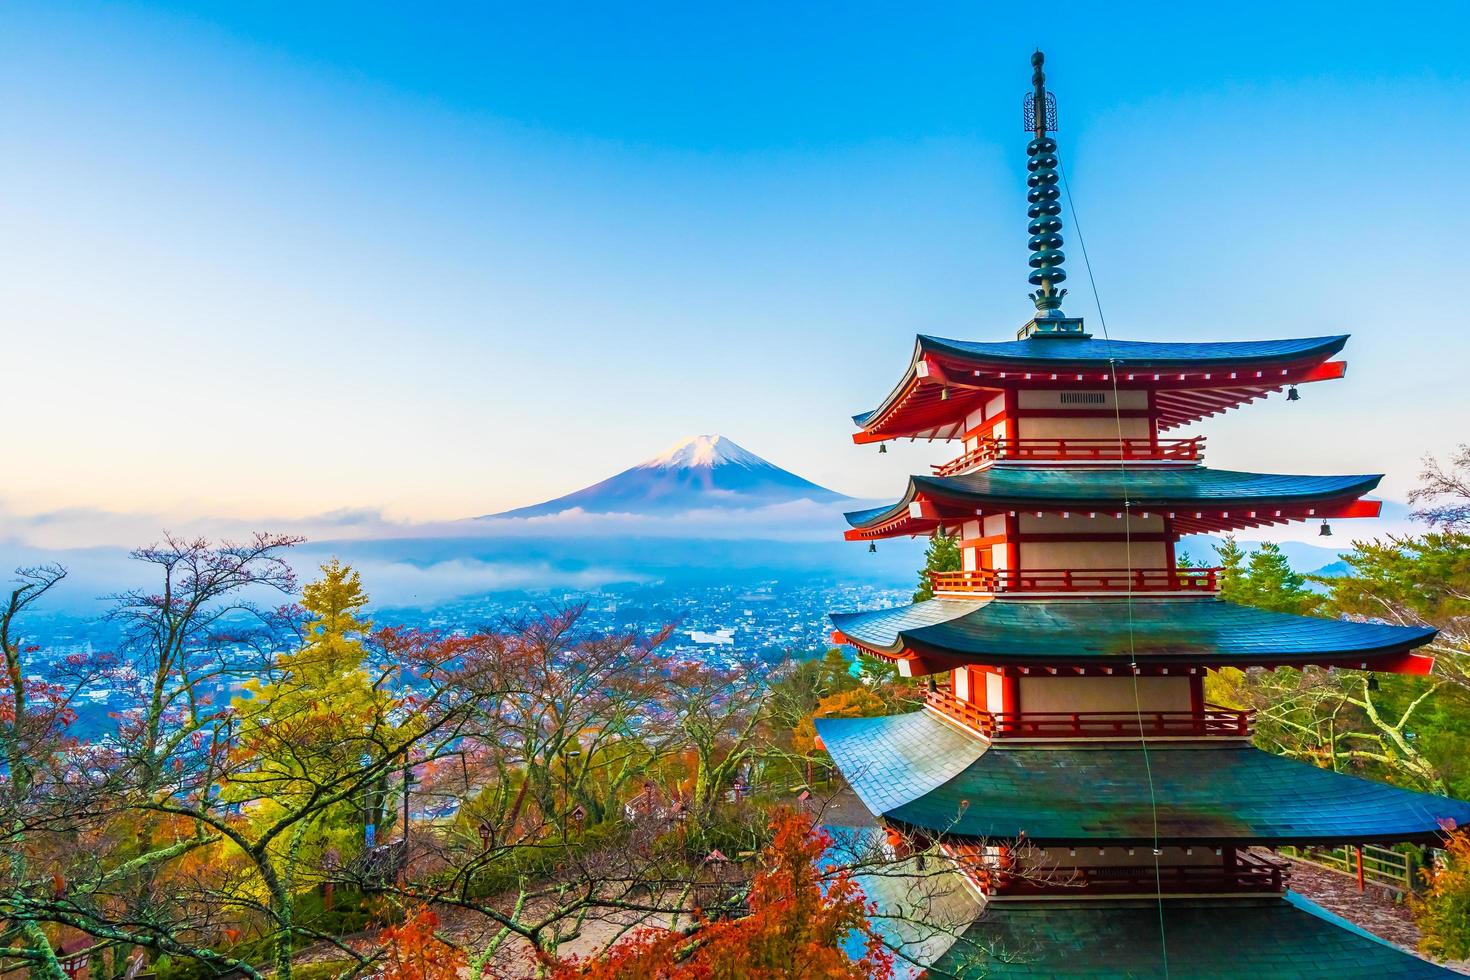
(1128, 564)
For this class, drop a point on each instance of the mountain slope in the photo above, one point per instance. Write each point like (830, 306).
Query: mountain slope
(696, 474)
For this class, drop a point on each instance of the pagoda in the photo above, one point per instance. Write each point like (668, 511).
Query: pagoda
(1107, 819)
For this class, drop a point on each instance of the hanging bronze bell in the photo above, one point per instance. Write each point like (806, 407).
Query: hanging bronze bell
(1292, 395)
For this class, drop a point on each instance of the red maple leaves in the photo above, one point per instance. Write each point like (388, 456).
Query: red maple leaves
(799, 918)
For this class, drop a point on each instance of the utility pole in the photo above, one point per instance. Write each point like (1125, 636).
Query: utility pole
(566, 786)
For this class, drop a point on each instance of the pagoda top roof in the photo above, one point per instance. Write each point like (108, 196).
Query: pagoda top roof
(1051, 352)
(1142, 488)
(1117, 631)
(1207, 939)
(909, 769)
(1195, 379)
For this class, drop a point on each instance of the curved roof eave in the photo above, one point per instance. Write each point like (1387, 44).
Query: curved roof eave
(1117, 630)
(1055, 352)
(1057, 486)
(916, 770)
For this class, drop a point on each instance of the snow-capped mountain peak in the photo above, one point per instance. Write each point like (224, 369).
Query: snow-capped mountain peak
(703, 452)
(699, 473)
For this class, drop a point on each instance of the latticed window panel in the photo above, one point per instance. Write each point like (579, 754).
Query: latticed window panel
(1028, 111)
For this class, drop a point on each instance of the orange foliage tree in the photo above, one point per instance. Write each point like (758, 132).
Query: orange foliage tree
(1443, 913)
(412, 951)
(860, 702)
(798, 918)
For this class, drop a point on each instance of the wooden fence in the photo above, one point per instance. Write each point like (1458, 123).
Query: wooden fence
(1368, 864)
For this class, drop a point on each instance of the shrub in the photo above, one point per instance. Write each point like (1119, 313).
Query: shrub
(1443, 913)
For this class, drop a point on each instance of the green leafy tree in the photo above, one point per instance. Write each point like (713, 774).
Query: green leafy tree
(1413, 581)
(795, 692)
(1406, 729)
(942, 555)
(1263, 578)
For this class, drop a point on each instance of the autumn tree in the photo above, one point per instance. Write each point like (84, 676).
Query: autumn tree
(860, 702)
(107, 870)
(413, 951)
(796, 689)
(562, 727)
(719, 714)
(197, 816)
(34, 715)
(1447, 489)
(317, 711)
(559, 713)
(1443, 911)
(797, 921)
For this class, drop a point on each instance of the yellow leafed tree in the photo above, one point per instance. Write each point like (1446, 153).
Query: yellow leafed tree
(314, 723)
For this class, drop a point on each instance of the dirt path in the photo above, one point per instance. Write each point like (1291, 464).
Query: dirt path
(1374, 910)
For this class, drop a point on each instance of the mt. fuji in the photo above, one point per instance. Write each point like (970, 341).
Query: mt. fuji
(698, 473)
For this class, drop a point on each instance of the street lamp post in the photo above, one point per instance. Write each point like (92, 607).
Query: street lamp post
(566, 785)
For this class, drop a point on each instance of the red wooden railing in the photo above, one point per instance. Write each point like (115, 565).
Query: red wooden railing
(1213, 722)
(1248, 873)
(991, 580)
(1076, 450)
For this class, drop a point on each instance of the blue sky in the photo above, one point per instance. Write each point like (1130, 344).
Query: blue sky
(270, 260)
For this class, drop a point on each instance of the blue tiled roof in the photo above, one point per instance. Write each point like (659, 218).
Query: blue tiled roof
(1181, 486)
(1190, 630)
(896, 759)
(1219, 939)
(1135, 353)
(1221, 794)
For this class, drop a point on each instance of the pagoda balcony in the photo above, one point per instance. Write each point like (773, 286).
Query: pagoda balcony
(1213, 722)
(1065, 581)
(1248, 873)
(1076, 451)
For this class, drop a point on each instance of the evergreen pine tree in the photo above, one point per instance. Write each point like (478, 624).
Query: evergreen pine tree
(1274, 585)
(1263, 578)
(943, 555)
(1233, 584)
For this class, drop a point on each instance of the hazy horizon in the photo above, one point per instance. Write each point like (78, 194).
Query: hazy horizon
(353, 265)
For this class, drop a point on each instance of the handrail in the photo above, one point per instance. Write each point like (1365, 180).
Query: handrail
(1213, 721)
(1076, 450)
(995, 872)
(1246, 876)
(990, 580)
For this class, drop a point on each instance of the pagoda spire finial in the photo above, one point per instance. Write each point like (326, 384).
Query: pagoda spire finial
(1044, 197)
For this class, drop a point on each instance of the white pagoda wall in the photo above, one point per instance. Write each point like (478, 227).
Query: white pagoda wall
(1092, 554)
(1103, 694)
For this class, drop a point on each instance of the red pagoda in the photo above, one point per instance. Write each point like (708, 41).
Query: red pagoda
(1109, 821)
